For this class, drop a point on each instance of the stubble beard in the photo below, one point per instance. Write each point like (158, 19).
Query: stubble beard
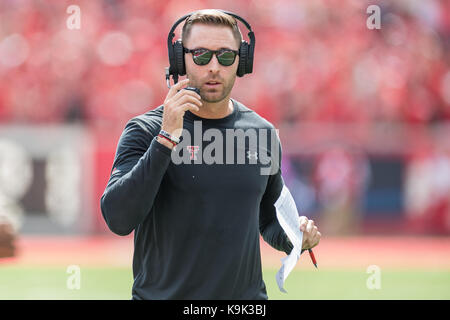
(226, 89)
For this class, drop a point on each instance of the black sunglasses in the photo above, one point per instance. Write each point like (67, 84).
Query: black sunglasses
(203, 56)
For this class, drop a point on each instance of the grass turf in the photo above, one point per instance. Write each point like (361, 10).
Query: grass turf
(115, 283)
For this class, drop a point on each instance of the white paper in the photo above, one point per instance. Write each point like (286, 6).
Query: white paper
(287, 215)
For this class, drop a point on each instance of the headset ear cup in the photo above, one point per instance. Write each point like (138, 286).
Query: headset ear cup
(171, 59)
(243, 54)
(250, 55)
(179, 57)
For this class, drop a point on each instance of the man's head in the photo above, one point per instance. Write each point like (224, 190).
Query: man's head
(213, 30)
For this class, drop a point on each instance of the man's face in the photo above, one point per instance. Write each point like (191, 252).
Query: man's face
(214, 38)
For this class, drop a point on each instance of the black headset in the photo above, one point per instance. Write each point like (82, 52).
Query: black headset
(176, 54)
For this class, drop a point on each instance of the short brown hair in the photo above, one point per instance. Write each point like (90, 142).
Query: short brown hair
(211, 17)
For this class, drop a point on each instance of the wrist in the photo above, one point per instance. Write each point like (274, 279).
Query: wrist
(169, 136)
(165, 142)
(168, 139)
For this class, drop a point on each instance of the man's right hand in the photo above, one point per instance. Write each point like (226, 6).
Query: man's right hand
(177, 102)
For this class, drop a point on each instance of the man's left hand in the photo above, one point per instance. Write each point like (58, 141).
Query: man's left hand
(311, 235)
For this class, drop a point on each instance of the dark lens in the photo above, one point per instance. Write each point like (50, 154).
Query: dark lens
(202, 56)
(226, 58)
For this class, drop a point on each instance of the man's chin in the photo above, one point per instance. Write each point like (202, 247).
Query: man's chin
(212, 97)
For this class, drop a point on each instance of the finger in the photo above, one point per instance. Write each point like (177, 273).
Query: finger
(315, 242)
(188, 106)
(190, 92)
(313, 232)
(306, 242)
(309, 226)
(185, 97)
(316, 239)
(175, 98)
(176, 87)
(303, 222)
(193, 92)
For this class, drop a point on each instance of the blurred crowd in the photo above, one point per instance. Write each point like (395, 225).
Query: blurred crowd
(315, 60)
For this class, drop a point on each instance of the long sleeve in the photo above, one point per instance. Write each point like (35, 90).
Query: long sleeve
(139, 166)
(269, 227)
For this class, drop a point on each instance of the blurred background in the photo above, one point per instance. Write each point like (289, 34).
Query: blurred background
(363, 114)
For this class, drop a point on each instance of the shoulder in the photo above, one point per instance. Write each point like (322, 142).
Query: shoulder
(249, 118)
(140, 130)
(148, 123)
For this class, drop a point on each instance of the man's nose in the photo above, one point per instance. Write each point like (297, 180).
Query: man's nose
(214, 64)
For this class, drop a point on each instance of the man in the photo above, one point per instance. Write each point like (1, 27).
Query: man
(197, 224)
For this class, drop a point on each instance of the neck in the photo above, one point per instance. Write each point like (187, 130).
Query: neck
(215, 110)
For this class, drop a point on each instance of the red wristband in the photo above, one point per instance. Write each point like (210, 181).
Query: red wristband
(161, 136)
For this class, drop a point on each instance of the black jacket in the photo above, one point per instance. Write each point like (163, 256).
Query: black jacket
(196, 225)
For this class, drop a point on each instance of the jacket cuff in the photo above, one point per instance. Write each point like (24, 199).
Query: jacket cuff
(290, 246)
(159, 147)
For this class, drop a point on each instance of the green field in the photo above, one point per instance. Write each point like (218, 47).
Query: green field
(115, 283)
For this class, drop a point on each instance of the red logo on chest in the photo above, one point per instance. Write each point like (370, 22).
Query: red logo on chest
(193, 151)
